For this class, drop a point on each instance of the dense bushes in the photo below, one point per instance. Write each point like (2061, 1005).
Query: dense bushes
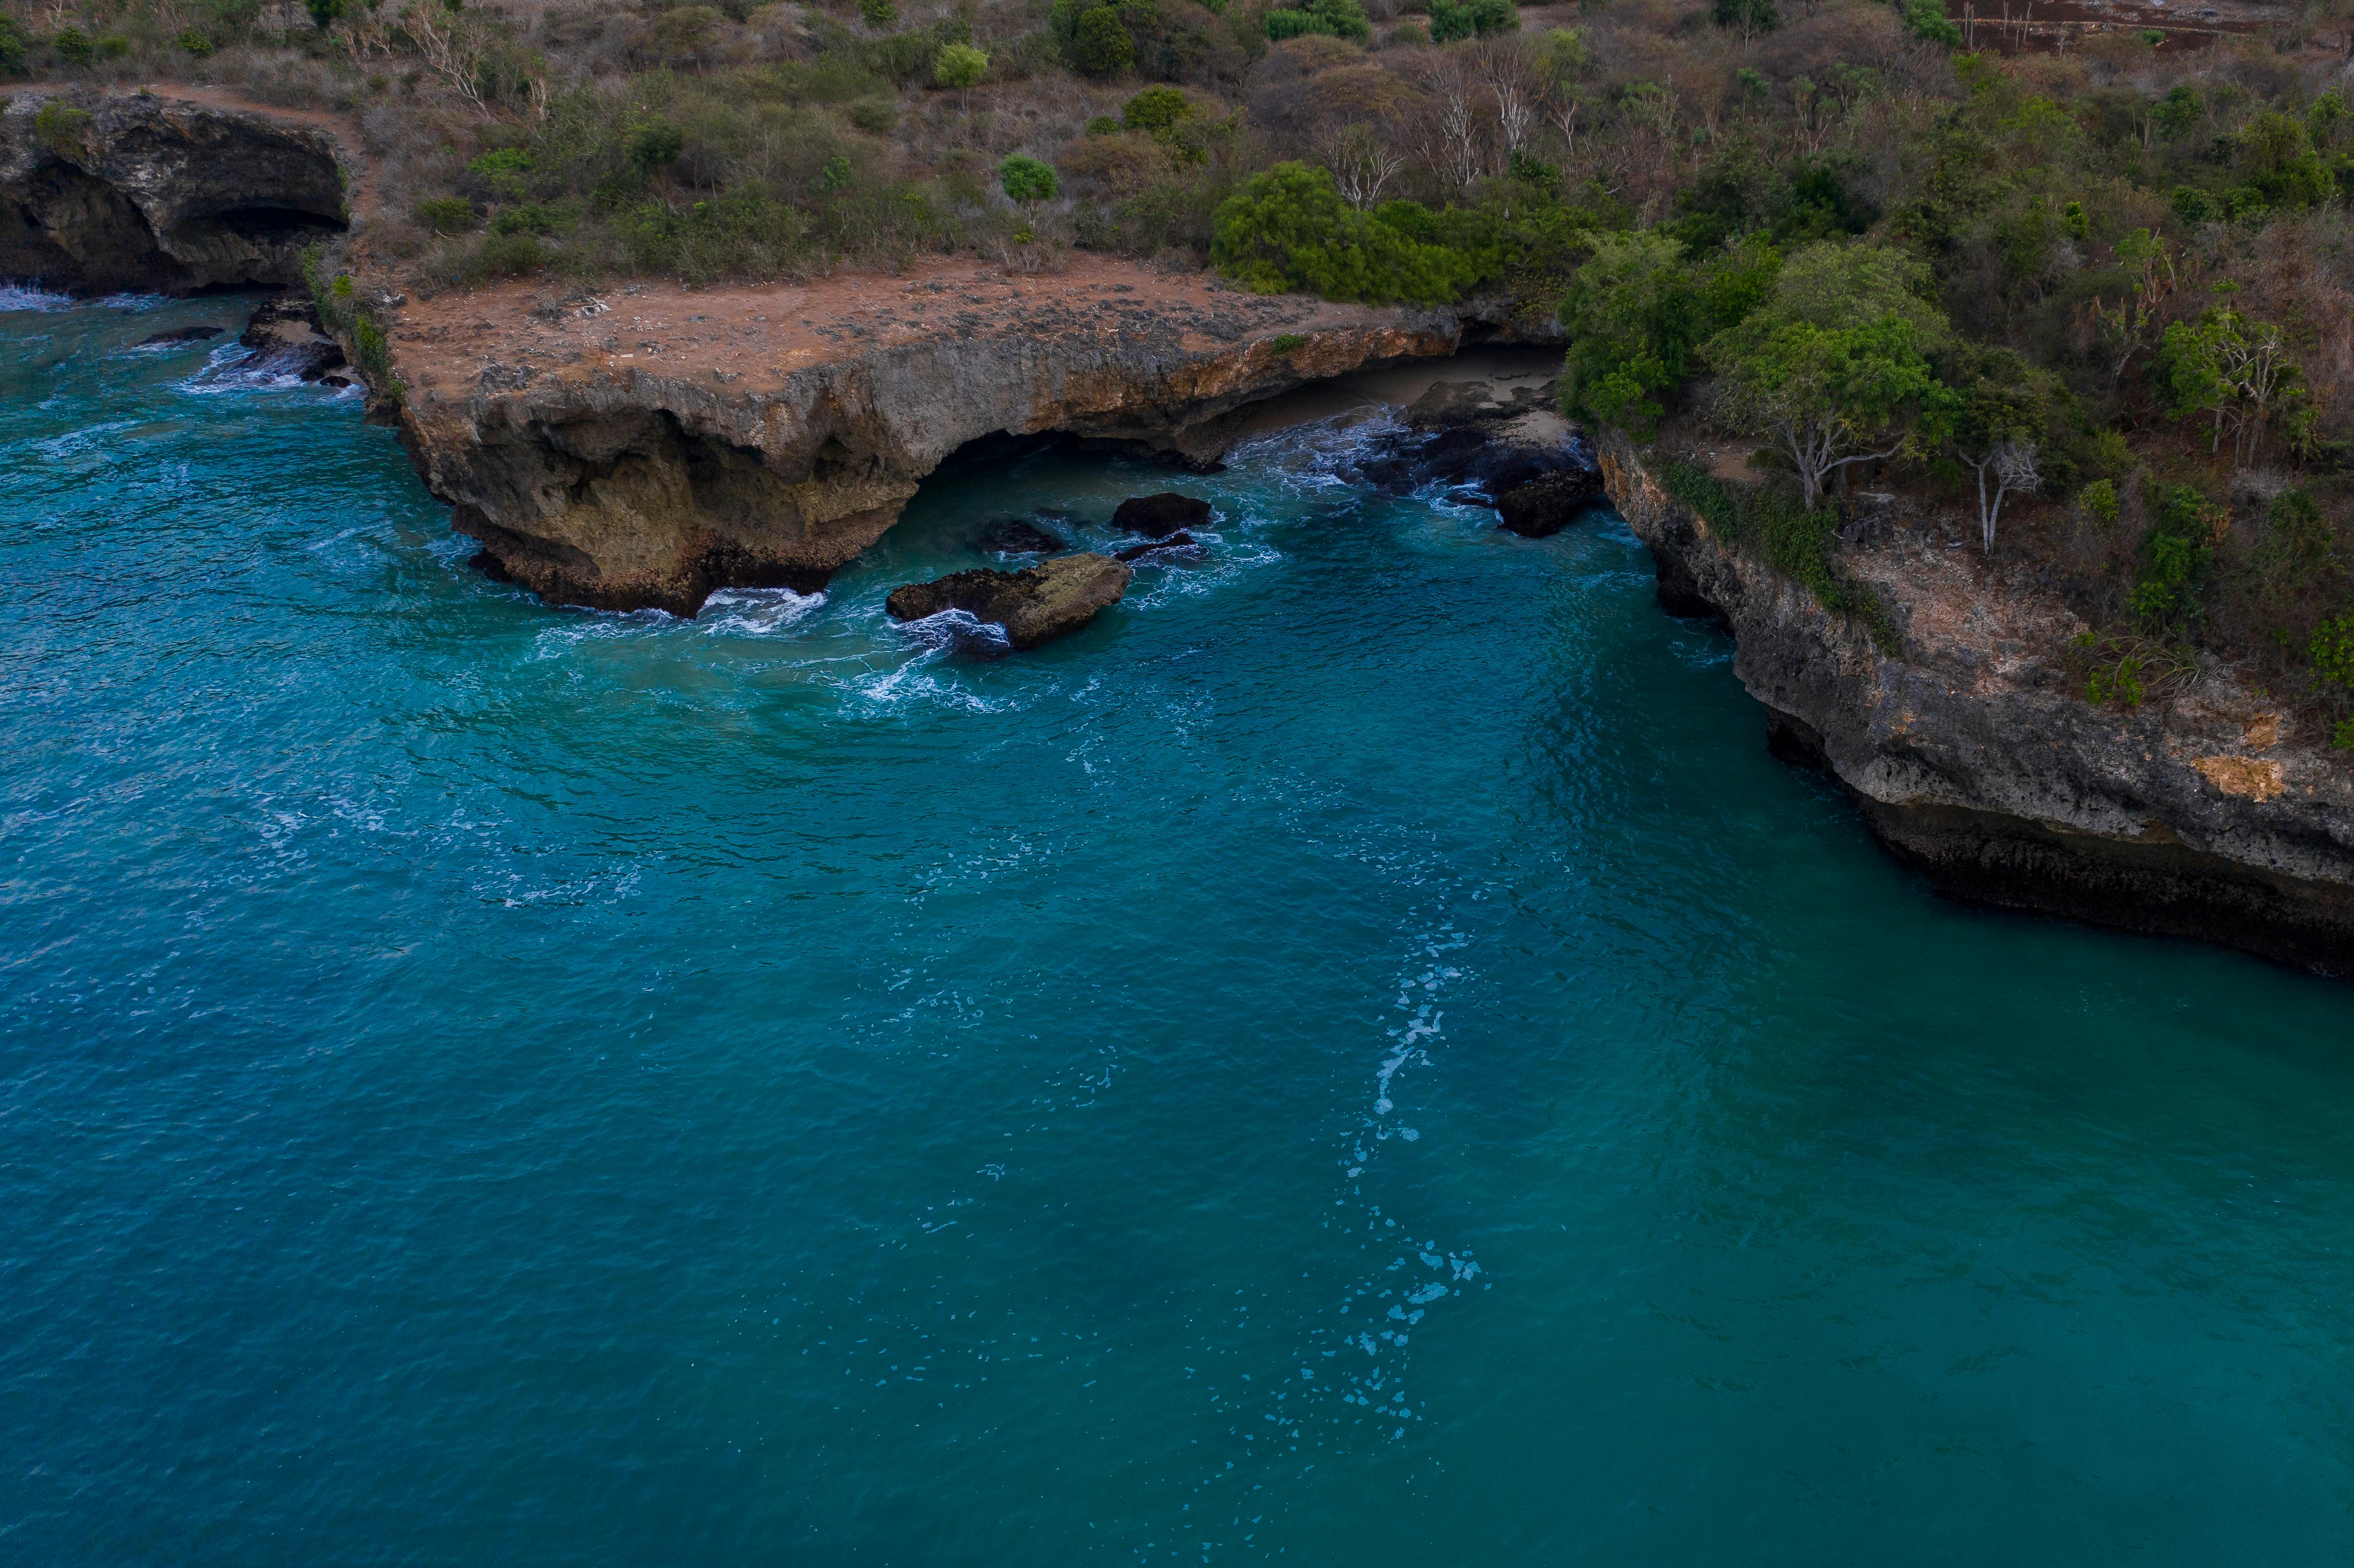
(1289, 229)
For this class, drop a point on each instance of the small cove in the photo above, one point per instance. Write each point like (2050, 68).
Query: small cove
(1358, 1055)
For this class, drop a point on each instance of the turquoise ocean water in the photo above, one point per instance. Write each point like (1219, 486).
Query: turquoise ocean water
(1358, 1057)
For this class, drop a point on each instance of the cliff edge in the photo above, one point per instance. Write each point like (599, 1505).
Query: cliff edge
(644, 446)
(1973, 756)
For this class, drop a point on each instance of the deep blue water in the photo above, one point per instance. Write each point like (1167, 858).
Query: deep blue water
(1358, 1057)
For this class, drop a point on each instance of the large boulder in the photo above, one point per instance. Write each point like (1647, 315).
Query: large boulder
(1158, 516)
(1510, 450)
(1034, 606)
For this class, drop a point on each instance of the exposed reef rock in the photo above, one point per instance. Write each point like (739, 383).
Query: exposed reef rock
(100, 194)
(1509, 449)
(286, 340)
(1180, 541)
(1158, 516)
(646, 446)
(1973, 756)
(1034, 606)
(176, 339)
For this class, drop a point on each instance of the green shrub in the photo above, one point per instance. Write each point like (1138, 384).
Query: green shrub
(2176, 555)
(835, 176)
(1028, 181)
(1100, 45)
(1155, 108)
(1288, 230)
(15, 45)
(446, 215)
(959, 66)
(511, 255)
(61, 128)
(878, 14)
(2192, 205)
(654, 148)
(1288, 343)
(1453, 19)
(112, 47)
(73, 47)
(876, 116)
(1335, 18)
(2099, 501)
(1103, 125)
(195, 45)
(2332, 650)
(1929, 23)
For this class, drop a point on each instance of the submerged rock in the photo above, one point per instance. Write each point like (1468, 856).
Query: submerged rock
(1034, 606)
(1017, 537)
(286, 340)
(172, 339)
(1158, 516)
(1177, 541)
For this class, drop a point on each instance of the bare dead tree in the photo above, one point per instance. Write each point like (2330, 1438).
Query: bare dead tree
(1360, 164)
(2011, 466)
(451, 45)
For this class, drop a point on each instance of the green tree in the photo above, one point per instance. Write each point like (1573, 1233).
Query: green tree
(1831, 369)
(73, 47)
(1289, 229)
(14, 44)
(325, 14)
(1155, 108)
(961, 67)
(1929, 23)
(1100, 45)
(1631, 316)
(1028, 181)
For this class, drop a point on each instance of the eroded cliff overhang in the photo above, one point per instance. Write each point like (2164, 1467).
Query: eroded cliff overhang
(106, 194)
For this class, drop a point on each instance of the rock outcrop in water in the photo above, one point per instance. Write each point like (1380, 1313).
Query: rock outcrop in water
(1973, 756)
(1512, 449)
(1034, 606)
(648, 446)
(99, 194)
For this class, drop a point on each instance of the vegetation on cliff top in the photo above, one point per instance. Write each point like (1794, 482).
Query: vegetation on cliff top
(2100, 297)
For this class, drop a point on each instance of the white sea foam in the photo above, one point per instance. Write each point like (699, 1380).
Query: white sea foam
(755, 612)
(959, 631)
(23, 297)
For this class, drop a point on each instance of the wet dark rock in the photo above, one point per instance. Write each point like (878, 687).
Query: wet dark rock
(1177, 541)
(1543, 507)
(183, 335)
(1034, 606)
(1509, 449)
(1018, 536)
(286, 340)
(1158, 516)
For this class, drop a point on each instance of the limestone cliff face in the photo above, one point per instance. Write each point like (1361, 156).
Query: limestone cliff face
(728, 449)
(99, 194)
(1973, 756)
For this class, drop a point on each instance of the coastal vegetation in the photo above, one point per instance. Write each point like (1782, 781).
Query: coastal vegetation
(2092, 286)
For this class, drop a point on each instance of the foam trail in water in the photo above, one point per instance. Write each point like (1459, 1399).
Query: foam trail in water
(755, 612)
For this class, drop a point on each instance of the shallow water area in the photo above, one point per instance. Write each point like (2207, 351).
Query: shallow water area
(1357, 1056)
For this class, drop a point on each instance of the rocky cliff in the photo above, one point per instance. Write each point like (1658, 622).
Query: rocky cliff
(1973, 756)
(99, 194)
(647, 446)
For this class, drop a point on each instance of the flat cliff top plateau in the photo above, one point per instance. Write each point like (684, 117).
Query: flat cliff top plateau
(764, 332)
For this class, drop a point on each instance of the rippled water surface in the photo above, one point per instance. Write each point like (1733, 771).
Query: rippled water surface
(1357, 1058)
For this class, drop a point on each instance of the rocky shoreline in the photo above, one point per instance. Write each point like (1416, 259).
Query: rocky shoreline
(1973, 756)
(647, 445)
